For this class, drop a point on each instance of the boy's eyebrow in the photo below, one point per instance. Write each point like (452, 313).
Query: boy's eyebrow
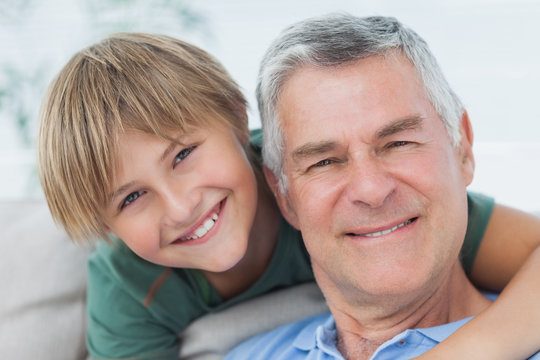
(409, 123)
(168, 150)
(119, 191)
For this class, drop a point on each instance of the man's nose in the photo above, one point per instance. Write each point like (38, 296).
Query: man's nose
(369, 183)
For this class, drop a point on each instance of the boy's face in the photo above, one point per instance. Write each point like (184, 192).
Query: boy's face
(187, 204)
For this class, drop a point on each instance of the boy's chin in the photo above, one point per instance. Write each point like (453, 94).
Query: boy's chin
(227, 260)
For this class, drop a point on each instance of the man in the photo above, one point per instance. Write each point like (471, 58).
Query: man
(369, 153)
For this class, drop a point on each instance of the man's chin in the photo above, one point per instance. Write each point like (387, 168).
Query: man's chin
(383, 286)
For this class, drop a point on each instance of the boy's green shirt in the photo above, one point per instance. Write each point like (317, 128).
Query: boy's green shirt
(137, 309)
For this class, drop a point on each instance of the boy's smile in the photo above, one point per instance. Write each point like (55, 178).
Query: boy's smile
(202, 228)
(188, 203)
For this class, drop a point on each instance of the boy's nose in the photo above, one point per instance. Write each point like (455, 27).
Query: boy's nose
(180, 206)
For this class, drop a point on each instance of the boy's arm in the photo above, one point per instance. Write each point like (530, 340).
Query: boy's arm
(510, 328)
(510, 238)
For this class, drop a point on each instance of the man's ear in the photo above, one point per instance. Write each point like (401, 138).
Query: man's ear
(466, 145)
(282, 200)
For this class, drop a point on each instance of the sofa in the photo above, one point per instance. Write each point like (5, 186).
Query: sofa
(42, 307)
(42, 312)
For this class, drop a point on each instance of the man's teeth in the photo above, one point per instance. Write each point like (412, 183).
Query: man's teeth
(203, 229)
(387, 231)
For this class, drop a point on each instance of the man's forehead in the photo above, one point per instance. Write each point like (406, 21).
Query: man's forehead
(303, 80)
(313, 93)
(388, 58)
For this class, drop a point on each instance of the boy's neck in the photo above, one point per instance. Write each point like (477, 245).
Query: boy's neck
(261, 245)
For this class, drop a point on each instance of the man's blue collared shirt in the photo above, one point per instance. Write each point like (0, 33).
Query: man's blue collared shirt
(315, 338)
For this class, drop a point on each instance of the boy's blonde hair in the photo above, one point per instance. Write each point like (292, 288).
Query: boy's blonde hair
(153, 83)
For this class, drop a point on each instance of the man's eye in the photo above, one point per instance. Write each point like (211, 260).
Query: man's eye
(130, 198)
(184, 153)
(397, 144)
(322, 163)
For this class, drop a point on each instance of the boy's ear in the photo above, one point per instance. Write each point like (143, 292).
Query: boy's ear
(106, 228)
(244, 135)
(466, 145)
(282, 199)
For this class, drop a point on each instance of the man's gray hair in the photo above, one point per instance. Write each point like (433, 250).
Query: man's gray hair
(339, 39)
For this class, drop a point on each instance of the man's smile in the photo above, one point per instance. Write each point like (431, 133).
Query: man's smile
(385, 231)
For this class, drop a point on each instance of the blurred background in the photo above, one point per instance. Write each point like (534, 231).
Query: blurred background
(488, 49)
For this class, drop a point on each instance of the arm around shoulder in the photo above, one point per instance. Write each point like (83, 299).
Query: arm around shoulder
(509, 258)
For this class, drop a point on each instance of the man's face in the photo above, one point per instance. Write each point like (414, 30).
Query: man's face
(375, 184)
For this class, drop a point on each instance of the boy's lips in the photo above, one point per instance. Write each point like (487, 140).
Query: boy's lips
(203, 226)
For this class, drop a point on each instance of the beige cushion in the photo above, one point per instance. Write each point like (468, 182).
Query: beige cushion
(42, 307)
(214, 335)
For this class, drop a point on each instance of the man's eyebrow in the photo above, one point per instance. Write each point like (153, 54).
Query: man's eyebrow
(313, 148)
(409, 123)
(321, 147)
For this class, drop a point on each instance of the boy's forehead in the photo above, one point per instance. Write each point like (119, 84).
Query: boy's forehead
(164, 138)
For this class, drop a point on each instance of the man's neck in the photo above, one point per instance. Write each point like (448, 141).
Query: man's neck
(362, 329)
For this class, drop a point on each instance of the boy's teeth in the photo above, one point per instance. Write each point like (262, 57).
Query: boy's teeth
(208, 224)
(203, 229)
(387, 231)
(200, 231)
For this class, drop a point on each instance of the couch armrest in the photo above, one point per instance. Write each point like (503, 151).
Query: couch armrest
(42, 307)
(214, 335)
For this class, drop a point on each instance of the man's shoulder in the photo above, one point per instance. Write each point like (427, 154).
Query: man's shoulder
(291, 341)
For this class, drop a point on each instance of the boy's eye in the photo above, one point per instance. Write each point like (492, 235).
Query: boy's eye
(184, 153)
(130, 198)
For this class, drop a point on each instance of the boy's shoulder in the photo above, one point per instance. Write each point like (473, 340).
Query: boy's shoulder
(114, 262)
(115, 253)
(255, 137)
(115, 270)
(133, 299)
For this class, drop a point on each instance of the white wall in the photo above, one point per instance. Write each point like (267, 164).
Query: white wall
(488, 49)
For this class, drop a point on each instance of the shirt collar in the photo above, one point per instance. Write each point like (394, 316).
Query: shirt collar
(322, 327)
(321, 332)
(441, 332)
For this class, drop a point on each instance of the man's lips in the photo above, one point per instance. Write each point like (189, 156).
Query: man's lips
(385, 231)
(203, 226)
